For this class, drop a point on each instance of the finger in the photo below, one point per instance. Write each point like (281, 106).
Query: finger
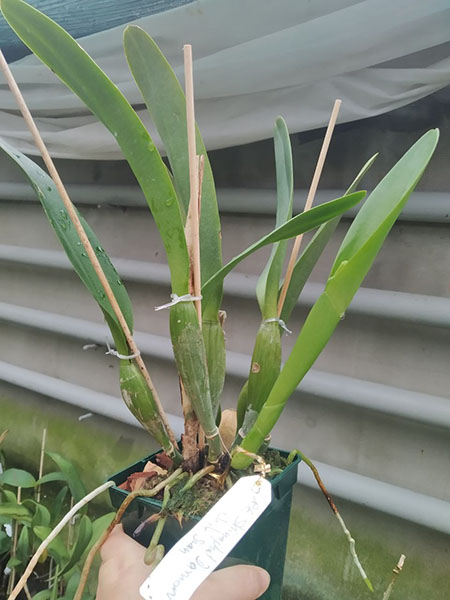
(234, 583)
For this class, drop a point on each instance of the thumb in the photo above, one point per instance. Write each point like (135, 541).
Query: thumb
(241, 582)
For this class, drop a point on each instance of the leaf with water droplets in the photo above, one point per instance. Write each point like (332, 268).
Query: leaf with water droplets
(62, 225)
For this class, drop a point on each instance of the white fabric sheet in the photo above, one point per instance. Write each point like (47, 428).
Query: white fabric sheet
(254, 60)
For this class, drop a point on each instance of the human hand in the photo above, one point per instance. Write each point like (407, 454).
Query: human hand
(123, 571)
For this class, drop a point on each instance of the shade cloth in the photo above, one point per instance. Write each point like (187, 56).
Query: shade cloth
(254, 60)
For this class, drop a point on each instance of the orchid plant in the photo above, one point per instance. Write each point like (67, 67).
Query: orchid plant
(182, 200)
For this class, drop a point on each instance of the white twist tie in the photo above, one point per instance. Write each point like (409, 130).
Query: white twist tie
(280, 322)
(176, 299)
(121, 356)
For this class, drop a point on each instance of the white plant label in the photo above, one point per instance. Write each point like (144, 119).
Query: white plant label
(205, 546)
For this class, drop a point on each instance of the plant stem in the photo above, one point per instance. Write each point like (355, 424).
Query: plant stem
(333, 507)
(119, 514)
(70, 528)
(54, 593)
(3, 436)
(191, 427)
(309, 200)
(193, 480)
(28, 571)
(83, 238)
(41, 463)
(396, 570)
(27, 592)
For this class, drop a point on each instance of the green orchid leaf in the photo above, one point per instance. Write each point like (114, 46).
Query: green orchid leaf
(65, 57)
(23, 549)
(41, 515)
(298, 224)
(165, 101)
(57, 548)
(354, 259)
(5, 543)
(99, 526)
(74, 482)
(43, 595)
(9, 495)
(388, 198)
(17, 478)
(49, 477)
(268, 284)
(62, 225)
(15, 511)
(13, 562)
(58, 503)
(83, 539)
(311, 254)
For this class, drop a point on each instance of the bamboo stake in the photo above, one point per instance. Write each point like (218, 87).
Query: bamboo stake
(309, 200)
(193, 218)
(201, 170)
(12, 577)
(83, 238)
(41, 463)
(28, 571)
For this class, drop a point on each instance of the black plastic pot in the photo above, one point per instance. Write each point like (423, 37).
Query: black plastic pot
(263, 545)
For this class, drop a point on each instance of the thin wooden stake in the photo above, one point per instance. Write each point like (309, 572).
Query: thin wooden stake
(201, 171)
(83, 238)
(309, 200)
(193, 217)
(12, 576)
(41, 463)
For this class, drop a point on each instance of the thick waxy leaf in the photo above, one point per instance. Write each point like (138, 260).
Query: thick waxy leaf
(17, 478)
(165, 101)
(311, 254)
(57, 215)
(355, 257)
(74, 482)
(57, 49)
(83, 539)
(267, 287)
(298, 224)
